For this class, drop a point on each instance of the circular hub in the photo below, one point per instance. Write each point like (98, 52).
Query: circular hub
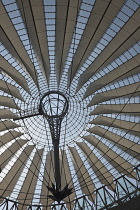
(71, 109)
(53, 104)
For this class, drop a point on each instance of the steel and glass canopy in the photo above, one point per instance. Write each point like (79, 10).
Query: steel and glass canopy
(69, 103)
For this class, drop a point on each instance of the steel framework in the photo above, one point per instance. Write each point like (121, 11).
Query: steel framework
(54, 106)
(126, 190)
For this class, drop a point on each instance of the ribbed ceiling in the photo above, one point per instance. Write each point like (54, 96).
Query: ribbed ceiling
(89, 50)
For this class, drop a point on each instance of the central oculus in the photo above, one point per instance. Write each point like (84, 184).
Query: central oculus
(54, 106)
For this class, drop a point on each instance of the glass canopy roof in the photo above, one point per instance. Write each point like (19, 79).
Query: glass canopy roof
(89, 51)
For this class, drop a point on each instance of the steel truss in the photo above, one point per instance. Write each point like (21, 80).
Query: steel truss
(124, 192)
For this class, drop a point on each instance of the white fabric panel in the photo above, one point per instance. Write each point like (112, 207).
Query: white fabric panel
(48, 208)
(86, 183)
(126, 91)
(11, 178)
(66, 178)
(7, 114)
(7, 137)
(7, 124)
(27, 191)
(34, 18)
(62, 15)
(10, 89)
(103, 13)
(8, 102)
(12, 42)
(48, 179)
(100, 170)
(131, 37)
(119, 163)
(124, 39)
(127, 69)
(128, 109)
(121, 124)
(13, 73)
(126, 145)
(71, 22)
(8, 45)
(10, 152)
